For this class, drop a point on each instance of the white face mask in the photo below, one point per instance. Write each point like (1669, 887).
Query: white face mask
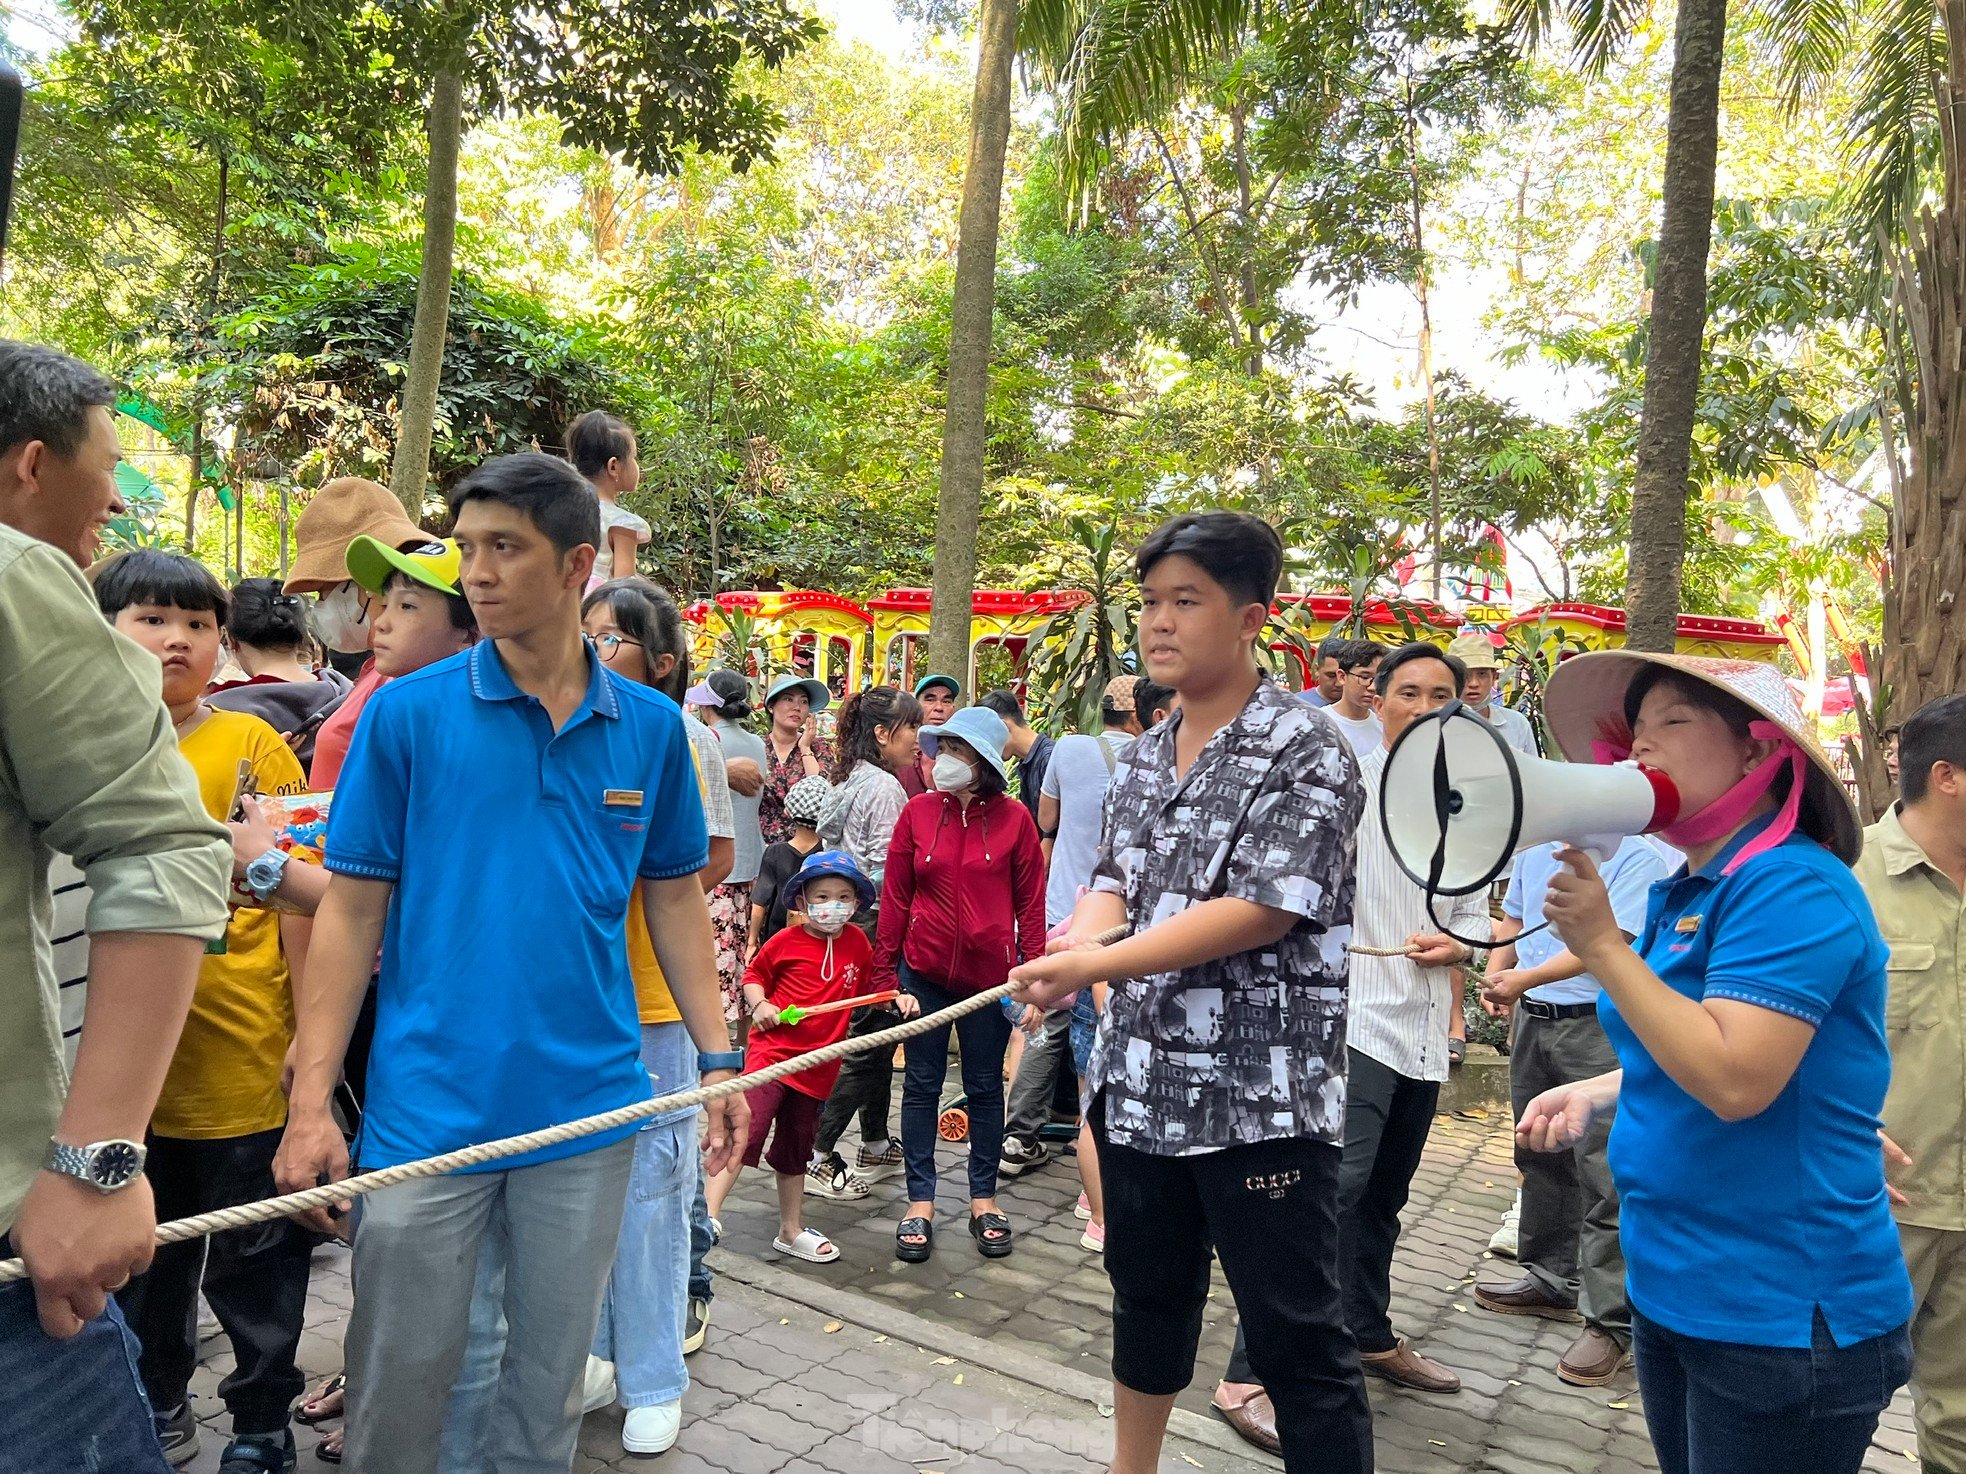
(829, 917)
(953, 775)
(340, 621)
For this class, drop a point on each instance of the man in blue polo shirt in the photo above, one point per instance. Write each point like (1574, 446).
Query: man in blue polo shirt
(1568, 1236)
(497, 814)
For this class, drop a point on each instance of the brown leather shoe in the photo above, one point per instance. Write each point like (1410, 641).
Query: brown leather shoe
(1251, 1414)
(1408, 1368)
(1592, 1360)
(1523, 1296)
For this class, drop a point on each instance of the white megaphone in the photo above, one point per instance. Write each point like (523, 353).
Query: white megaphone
(1458, 803)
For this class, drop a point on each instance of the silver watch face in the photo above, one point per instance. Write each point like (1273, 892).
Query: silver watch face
(115, 1164)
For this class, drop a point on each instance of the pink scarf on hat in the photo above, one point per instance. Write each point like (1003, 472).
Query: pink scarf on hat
(1726, 813)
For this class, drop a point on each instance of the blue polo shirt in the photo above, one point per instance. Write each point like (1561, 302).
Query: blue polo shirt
(505, 1003)
(1742, 1231)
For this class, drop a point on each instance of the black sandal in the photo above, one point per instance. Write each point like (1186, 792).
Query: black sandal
(909, 1253)
(982, 1225)
(335, 1386)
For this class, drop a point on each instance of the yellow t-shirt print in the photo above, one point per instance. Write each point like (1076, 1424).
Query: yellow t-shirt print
(224, 1080)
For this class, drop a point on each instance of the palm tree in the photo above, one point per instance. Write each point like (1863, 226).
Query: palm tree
(1114, 64)
(1910, 199)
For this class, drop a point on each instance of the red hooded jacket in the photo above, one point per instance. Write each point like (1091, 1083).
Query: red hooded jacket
(963, 896)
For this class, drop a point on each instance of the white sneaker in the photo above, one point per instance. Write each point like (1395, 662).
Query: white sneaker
(598, 1390)
(652, 1430)
(1505, 1242)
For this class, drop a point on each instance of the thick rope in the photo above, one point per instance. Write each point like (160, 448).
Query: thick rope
(334, 1193)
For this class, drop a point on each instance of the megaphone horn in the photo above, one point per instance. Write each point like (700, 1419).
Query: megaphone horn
(1457, 803)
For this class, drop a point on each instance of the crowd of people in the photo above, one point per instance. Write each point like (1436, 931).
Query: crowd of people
(563, 874)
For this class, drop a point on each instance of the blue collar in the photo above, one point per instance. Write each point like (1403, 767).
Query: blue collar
(490, 681)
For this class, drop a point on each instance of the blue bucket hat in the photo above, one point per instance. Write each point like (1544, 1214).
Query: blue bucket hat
(981, 728)
(816, 691)
(822, 863)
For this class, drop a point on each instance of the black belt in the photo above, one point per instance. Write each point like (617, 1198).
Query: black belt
(1536, 1008)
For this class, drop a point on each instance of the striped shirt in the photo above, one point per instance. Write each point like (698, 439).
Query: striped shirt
(1400, 1012)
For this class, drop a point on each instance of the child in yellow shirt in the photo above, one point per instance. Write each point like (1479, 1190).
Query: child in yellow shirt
(219, 1118)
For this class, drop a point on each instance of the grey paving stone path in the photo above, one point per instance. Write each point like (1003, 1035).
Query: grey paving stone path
(971, 1365)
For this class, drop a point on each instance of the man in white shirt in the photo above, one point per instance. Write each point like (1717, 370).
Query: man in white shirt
(1353, 710)
(1484, 671)
(1397, 1016)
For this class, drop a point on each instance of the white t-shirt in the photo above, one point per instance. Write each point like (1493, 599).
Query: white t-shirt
(614, 515)
(1515, 729)
(1078, 777)
(1366, 735)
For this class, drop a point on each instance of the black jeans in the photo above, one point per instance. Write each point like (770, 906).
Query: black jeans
(984, 1035)
(1718, 1407)
(865, 1085)
(254, 1278)
(1387, 1118)
(1270, 1212)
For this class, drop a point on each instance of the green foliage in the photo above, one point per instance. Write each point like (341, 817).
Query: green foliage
(1073, 654)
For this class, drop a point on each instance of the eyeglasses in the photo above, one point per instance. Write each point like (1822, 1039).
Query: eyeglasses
(608, 644)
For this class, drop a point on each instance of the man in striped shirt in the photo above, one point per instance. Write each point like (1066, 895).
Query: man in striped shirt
(1398, 1012)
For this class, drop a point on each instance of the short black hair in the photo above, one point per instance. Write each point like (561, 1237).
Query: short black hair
(461, 616)
(1150, 697)
(1406, 655)
(1240, 552)
(47, 396)
(265, 617)
(153, 576)
(554, 497)
(646, 613)
(1006, 705)
(1358, 653)
(1332, 647)
(1935, 734)
(596, 438)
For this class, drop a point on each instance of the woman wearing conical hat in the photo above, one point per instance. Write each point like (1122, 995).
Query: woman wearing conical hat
(1769, 1295)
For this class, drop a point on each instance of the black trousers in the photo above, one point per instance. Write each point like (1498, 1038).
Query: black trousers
(1270, 1212)
(255, 1279)
(1387, 1118)
(865, 1085)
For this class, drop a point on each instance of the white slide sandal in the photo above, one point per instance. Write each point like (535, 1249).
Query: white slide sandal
(811, 1245)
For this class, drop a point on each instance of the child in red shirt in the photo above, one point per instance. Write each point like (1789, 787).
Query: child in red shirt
(823, 961)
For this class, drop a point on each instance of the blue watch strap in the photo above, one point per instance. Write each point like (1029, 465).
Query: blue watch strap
(727, 1059)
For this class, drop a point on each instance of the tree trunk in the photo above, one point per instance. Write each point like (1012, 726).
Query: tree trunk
(1924, 652)
(964, 432)
(1245, 204)
(1434, 518)
(1678, 327)
(211, 310)
(409, 473)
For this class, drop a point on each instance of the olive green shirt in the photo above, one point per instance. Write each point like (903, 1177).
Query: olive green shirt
(89, 767)
(1922, 916)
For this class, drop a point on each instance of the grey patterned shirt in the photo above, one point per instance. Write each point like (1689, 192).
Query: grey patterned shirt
(1250, 1047)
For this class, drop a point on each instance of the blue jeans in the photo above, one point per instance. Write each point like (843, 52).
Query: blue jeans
(984, 1035)
(1718, 1407)
(74, 1405)
(642, 1314)
(700, 1278)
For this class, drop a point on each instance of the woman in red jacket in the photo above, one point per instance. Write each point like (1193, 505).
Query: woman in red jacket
(962, 903)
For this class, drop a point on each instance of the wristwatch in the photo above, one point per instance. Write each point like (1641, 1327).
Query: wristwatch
(105, 1166)
(263, 875)
(719, 1059)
